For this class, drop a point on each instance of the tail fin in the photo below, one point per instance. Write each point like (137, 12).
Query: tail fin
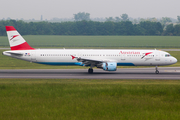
(16, 41)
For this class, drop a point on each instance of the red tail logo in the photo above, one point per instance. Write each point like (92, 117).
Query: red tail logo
(12, 37)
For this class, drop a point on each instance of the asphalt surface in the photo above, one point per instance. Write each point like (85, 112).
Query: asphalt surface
(125, 73)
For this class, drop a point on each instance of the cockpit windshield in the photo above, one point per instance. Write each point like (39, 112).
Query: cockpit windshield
(167, 55)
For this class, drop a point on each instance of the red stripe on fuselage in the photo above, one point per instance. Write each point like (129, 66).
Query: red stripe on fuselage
(23, 46)
(10, 28)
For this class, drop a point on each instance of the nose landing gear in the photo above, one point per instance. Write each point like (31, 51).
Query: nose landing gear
(157, 71)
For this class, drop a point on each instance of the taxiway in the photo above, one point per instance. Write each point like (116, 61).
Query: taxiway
(125, 73)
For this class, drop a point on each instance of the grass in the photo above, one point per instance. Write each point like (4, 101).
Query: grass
(89, 99)
(49, 41)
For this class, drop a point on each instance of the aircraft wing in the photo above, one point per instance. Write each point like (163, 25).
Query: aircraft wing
(88, 61)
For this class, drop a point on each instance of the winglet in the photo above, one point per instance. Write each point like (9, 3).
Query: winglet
(146, 54)
(16, 41)
(73, 57)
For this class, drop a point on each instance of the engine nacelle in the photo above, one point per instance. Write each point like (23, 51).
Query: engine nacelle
(109, 66)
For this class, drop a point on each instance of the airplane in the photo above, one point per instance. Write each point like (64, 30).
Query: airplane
(106, 59)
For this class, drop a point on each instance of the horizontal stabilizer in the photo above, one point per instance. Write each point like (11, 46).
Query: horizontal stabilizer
(9, 53)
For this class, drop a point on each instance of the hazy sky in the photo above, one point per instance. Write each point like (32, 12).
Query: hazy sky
(29, 9)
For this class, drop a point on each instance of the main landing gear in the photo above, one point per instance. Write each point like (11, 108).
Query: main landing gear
(157, 71)
(90, 70)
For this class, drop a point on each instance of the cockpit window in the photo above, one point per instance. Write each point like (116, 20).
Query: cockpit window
(167, 55)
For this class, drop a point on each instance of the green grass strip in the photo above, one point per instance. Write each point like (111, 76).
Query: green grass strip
(59, 41)
(70, 99)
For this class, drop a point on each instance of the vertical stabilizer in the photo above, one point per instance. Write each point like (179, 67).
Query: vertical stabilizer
(16, 41)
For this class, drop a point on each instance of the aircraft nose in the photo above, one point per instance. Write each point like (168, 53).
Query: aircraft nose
(174, 60)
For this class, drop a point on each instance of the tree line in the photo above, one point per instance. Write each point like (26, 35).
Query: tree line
(90, 28)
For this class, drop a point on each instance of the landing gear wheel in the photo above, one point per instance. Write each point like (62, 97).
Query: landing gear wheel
(157, 72)
(90, 70)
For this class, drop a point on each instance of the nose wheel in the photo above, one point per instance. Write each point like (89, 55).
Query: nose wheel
(157, 71)
(90, 70)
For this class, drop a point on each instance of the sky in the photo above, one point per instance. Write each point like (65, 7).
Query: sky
(29, 9)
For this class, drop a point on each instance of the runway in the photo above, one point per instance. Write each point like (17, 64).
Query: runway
(124, 73)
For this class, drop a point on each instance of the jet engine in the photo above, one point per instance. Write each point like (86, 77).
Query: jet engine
(109, 66)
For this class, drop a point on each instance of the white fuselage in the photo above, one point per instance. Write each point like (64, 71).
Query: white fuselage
(122, 57)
